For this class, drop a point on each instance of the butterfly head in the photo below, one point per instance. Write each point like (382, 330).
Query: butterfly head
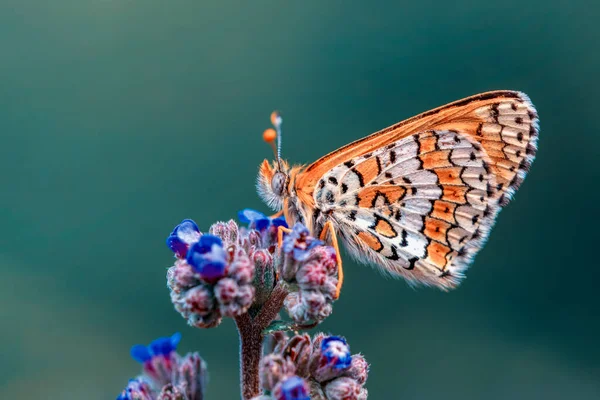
(273, 178)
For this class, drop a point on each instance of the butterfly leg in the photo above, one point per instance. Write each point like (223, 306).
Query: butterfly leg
(276, 215)
(280, 231)
(328, 228)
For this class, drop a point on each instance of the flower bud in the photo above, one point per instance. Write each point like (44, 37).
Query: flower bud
(181, 277)
(292, 388)
(359, 369)
(329, 288)
(298, 350)
(199, 300)
(295, 308)
(226, 291)
(241, 269)
(227, 231)
(192, 376)
(326, 256)
(273, 369)
(264, 276)
(343, 389)
(170, 392)
(137, 389)
(208, 321)
(332, 359)
(312, 275)
(313, 301)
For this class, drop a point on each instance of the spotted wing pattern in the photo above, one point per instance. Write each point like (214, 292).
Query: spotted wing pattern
(422, 206)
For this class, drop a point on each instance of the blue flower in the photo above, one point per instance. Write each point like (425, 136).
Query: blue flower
(163, 346)
(293, 388)
(336, 352)
(182, 237)
(259, 221)
(137, 389)
(298, 242)
(208, 258)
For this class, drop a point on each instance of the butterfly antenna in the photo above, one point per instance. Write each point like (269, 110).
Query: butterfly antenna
(271, 135)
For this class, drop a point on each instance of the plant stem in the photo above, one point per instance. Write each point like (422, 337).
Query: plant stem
(251, 340)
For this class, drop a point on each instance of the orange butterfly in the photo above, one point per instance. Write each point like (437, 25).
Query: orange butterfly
(417, 199)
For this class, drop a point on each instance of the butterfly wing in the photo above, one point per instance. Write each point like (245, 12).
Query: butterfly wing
(420, 205)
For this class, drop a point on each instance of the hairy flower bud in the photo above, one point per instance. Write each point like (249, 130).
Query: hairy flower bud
(343, 388)
(331, 360)
(181, 277)
(192, 376)
(292, 388)
(273, 369)
(227, 231)
(359, 369)
(241, 269)
(298, 350)
(170, 392)
(199, 300)
(312, 275)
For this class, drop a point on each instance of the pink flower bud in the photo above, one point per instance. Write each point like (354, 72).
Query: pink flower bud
(192, 376)
(227, 231)
(343, 389)
(181, 276)
(245, 296)
(199, 300)
(262, 259)
(273, 369)
(226, 290)
(313, 302)
(241, 269)
(298, 350)
(329, 288)
(311, 275)
(327, 257)
(208, 321)
(295, 308)
(359, 369)
(170, 392)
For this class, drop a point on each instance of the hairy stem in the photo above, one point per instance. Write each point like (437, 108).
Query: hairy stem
(251, 339)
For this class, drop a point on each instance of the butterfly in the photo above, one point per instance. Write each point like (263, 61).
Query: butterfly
(417, 199)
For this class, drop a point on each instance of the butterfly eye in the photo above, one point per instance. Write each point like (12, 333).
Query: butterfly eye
(278, 183)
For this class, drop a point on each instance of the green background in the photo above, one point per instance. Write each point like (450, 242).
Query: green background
(119, 118)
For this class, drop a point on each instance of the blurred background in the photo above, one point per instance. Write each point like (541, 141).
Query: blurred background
(119, 118)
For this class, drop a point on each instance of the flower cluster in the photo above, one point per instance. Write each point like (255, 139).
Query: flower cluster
(166, 375)
(312, 266)
(319, 369)
(212, 275)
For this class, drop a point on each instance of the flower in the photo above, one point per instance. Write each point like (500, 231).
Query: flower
(336, 351)
(163, 346)
(259, 221)
(216, 278)
(345, 388)
(330, 359)
(166, 375)
(208, 258)
(184, 234)
(137, 389)
(292, 388)
(298, 243)
(322, 364)
(158, 357)
(273, 369)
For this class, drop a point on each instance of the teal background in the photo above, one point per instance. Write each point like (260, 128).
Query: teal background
(119, 118)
